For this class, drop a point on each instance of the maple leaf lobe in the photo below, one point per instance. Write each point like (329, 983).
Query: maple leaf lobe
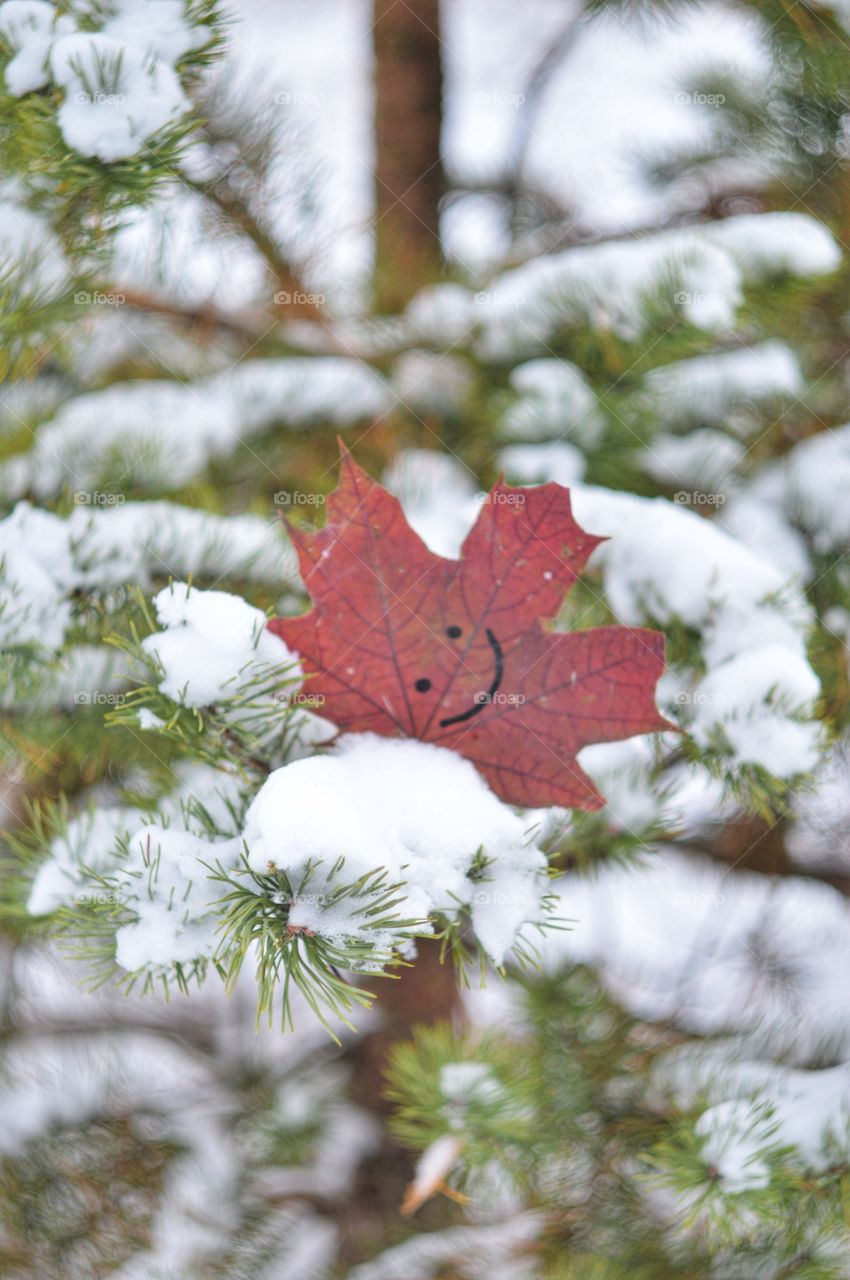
(401, 641)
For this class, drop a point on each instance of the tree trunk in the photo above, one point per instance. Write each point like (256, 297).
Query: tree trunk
(422, 995)
(409, 178)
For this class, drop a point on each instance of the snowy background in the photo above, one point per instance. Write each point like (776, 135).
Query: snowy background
(625, 100)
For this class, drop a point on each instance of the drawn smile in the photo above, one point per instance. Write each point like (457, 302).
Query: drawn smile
(485, 696)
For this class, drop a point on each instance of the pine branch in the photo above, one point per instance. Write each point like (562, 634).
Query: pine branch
(203, 318)
(237, 212)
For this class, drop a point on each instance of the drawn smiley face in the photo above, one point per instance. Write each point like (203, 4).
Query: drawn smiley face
(482, 699)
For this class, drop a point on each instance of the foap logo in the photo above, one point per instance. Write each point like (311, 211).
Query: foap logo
(310, 701)
(98, 299)
(295, 98)
(696, 298)
(700, 99)
(99, 99)
(491, 98)
(699, 699)
(696, 498)
(100, 898)
(296, 499)
(500, 499)
(98, 698)
(698, 899)
(94, 498)
(497, 298)
(497, 898)
(298, 298)
(483, 698)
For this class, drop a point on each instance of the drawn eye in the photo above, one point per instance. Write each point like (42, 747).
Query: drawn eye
(453, 632)
(423, 684)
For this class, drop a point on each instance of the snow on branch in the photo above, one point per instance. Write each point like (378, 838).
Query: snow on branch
(134, 423)
(723, 386)
(119, 85)
(45, 559)
(619, 286)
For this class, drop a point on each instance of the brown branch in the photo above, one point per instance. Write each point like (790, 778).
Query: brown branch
(236, 210)
(202, 315)
(749, 843)
(300, 337)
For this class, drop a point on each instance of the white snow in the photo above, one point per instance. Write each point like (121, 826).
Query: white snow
(29, 400)
(149, 720)
(819, 837)
(555, 400)
(705, 460)
(469, 1081)
(486, 1251)
(433, 1167)
(758, 1105)
(304, 390)
(440, 496)
(606, 287)
(715, 951)
(166, 885)
(29, 27)
(317, 57)
(212, 644)
(721, 387)
(796, 500)
(621, 771)
(135, 422)
(177, 1094)
(732, 1134)
(91, 841)
(763, 700)
(617, 99)
(588, 146)
(773, 244)
(158, 28)
(430, 382)
(137, 541)
(362, 800)
(762, 528)
(414, 809)
(663, 562)
(36, 572)
(141, 30)
(308, 1248)
(82, 673)
(44, 557)
(815, 475)
(442, 314)
(115, 97)
(32, 261)
(347, 1136)
(701, 269)
(539, 463)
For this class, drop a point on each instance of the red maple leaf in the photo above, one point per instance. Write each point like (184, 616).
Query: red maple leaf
(404, 642)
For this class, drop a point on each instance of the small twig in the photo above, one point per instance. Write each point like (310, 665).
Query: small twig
(202, 316)
(556, 52)
(232, 206)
